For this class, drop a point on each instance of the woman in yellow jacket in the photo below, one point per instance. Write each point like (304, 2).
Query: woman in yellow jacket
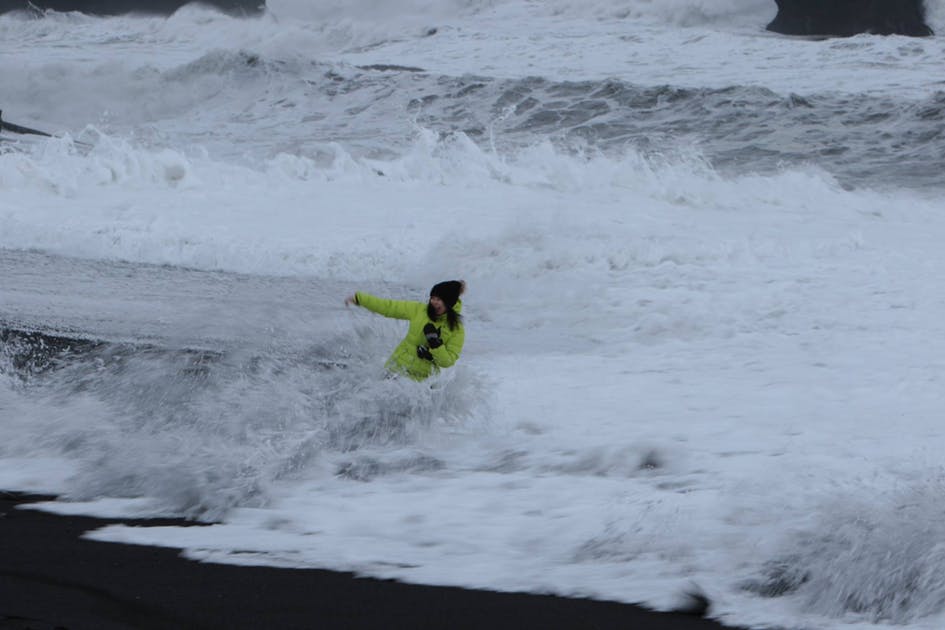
(435, 336)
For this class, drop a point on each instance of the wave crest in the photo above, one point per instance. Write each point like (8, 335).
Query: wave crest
(884, 560)
(204, 432)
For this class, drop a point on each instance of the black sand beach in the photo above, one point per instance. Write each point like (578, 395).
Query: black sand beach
(52, 578)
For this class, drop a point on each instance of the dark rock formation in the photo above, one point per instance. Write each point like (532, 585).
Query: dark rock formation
(118, 7)
(7, 126)
(843, 18)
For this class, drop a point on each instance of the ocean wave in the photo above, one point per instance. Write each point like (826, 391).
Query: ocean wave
(881, 560)
(168, 207)
(676, 12)
(935, 14)
(203, 432)
(679, 12)
(375, 10)
(244, 105)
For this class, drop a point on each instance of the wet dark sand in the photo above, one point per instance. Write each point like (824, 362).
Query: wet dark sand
(51, 578)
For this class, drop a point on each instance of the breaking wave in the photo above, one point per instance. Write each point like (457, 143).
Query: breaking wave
(882, 560)
(203, 432)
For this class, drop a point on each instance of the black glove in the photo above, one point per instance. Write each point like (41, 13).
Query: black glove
(423, 353)
(433, 336)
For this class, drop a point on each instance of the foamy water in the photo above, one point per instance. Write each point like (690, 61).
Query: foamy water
(704, 332)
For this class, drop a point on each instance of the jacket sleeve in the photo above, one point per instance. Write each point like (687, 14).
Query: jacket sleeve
(397, 309)
(447, 354)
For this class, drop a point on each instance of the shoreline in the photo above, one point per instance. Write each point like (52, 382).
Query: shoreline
(51, 578)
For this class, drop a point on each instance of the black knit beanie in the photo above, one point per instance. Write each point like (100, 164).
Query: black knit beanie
(448, 291)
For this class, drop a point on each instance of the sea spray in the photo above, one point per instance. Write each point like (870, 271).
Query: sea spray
(882, 559)
(203, 432)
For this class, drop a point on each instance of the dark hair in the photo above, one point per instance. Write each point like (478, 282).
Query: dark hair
(453, 319)
(449, 291)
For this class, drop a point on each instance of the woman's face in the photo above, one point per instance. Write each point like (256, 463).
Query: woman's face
(438, 307)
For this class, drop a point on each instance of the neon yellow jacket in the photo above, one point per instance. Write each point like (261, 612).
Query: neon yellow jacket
(404, 358)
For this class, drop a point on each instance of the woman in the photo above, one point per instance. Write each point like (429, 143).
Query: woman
(435, 336)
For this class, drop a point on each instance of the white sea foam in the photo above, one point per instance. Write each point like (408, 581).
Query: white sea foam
(171, 207)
